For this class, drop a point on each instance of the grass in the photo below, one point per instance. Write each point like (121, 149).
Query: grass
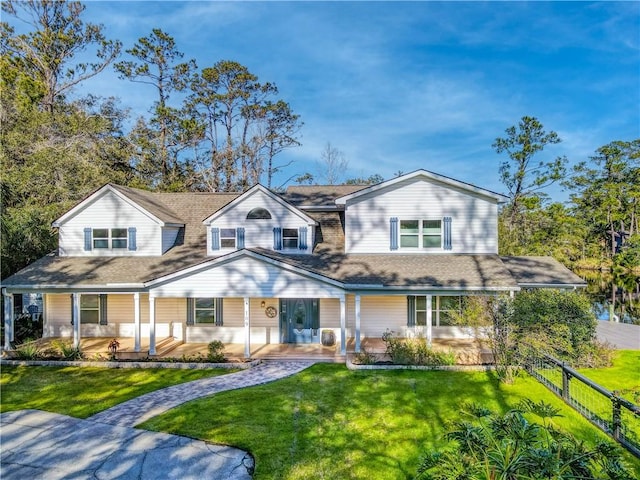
(82, 392)
(623, 376)
(329, 422)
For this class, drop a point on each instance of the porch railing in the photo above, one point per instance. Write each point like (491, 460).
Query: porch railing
(607, 410)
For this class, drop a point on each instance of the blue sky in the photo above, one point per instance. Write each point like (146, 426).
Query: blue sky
(403, 86)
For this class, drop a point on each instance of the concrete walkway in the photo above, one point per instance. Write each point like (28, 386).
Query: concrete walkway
(140, 409)
(42, 445)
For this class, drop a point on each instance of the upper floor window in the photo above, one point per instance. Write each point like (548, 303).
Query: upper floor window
(110, 238)
(228, 238)
(425, 234)
(259, 213)
(290, 238)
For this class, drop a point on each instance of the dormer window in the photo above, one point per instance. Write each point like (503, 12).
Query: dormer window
(290, 238)
(259, 213)
(110, 239)
(115, 238)
(228, 237)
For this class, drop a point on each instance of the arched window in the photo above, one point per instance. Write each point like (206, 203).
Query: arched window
(259, 214)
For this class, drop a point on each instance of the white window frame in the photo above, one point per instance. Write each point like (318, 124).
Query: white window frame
(230, 239)
(421, 233)
(211, 309)
(110, 239)
(436, 309)
(84, 308)
(420, 323)
(290, 238)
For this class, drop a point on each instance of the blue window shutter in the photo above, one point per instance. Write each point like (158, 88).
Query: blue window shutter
(103, 309)
(218, 305)
(240, 237)
(87, 239)
(302, 238)
(411, 311)
(190, 311)
(72, 309)
(447, 233)
(393, 232)
(215, 238)
(132, 239)
(277, 238)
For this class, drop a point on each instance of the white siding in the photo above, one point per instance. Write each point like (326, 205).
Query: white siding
(263, 329)
(109, 211)
(57, 316)
(246, 277)
(474, 218)
(377, 314)
(259, 233)
(120, 317)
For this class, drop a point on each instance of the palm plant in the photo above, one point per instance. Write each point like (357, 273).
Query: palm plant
(486, 446)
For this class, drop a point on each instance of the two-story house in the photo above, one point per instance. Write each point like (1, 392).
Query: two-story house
(260, 268)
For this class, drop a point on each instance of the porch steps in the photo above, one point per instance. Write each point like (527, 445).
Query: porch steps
(303, 358)
(166, 345)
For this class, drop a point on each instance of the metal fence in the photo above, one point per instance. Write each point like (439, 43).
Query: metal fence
(607, 410)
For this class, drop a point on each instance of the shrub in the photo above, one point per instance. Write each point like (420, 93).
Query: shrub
(28, 351)
(414, 351)
(216, 351)
(364, 357)
(561, 320)
(66, 350)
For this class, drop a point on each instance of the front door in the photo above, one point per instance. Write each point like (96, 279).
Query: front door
(299, 320)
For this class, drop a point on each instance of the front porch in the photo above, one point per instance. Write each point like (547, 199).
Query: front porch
(468, 351)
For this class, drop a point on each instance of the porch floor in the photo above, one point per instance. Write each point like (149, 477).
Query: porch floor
(468, 351)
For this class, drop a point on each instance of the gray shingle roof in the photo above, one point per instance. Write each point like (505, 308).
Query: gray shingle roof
(541, 271)
(428, 271)
(488, 272)
(318, 195)
(150, 202)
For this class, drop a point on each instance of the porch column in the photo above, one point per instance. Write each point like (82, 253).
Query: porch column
(152, 325)
(247, 329)
(8, 319)
(429, 318)
(343, 325)
(357, 323)
(136, 321)
(75, 316)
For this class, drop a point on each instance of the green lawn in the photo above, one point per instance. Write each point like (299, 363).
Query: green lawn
(623, 376)
(329, 422)
(82, 392)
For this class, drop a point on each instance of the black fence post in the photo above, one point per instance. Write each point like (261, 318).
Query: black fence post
(566, 377)
(616, 418)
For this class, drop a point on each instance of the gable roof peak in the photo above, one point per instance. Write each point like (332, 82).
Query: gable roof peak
(258, 187)
(499, 198)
